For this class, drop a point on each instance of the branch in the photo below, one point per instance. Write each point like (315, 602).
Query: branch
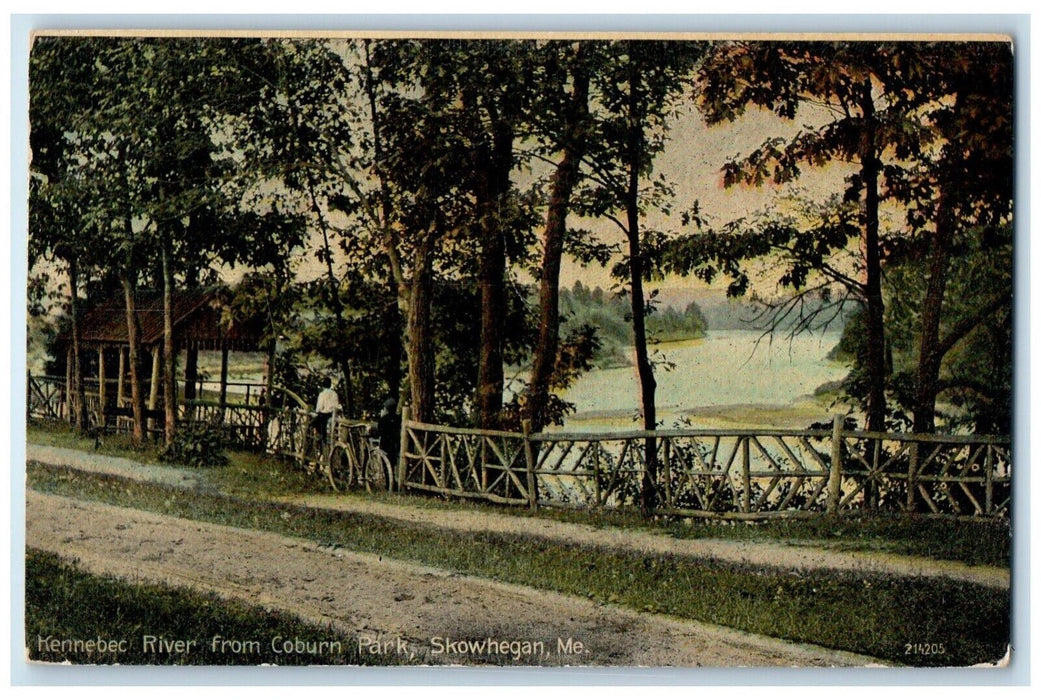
(824, 268)
(776, 314)
(596, 174)
(967, 324)
(984, 390)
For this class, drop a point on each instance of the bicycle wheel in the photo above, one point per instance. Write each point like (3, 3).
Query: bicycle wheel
(340, 469)
(377, 470)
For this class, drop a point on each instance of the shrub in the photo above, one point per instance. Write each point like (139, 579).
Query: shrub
(196, 445)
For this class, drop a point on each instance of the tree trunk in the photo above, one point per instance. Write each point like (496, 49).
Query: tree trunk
(493, 305)
(870, 167)
(930, 355)
(565, 179)
(153, 386)
(191, 373)
(395, 278)
(492, 193)
(343, 360)
(137, 398)
(419, 347)
(78, 392)
(120, 376)
(67, 414)
(395, 353)
(648, 385)
(169, 347)
(272, 350)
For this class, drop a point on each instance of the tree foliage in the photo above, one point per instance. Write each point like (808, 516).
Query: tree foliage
(390, 202)
(900, 114)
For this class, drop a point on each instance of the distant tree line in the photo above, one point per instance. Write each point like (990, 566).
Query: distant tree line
(608, 315)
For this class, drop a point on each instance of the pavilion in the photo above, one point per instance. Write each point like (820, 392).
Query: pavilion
(202, 320)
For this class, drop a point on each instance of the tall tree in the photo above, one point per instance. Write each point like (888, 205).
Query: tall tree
(965, 190)
(58, 218)
(865, 103)
(495, 95)
(637, 87)
(300, 132)
(417, 207)
(566, 109)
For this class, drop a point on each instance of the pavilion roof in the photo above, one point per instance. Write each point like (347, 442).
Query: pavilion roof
(199, 321)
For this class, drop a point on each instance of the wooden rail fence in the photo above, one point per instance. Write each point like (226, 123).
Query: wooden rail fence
(737, 474)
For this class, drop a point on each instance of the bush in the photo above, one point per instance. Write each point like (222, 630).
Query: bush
(196, 445)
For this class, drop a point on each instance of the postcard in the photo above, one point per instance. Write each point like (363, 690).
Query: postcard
(538, 350)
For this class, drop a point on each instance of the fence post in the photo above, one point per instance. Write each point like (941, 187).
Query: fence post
(746, 477)
(912, 473)
(529, 461)
(596, 474)
(667, 469)
(988, 465)
(835, 473)
(402, 447)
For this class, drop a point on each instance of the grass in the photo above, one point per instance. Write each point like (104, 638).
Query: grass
(247, 472)
(966, 541)
(60, 434)
(66, 604)
(257, 476)
(876, 615)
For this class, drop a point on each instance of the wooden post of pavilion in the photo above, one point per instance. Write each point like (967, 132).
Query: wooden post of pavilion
(223, 379)
(69, 392)
(101, 386)
(120, 389)
(153, 388)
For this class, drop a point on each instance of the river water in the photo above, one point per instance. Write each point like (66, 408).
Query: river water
(730, 377)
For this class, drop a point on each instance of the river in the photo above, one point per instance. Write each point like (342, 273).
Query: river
(731, 378)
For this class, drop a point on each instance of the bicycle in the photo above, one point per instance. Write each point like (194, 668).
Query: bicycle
(356, 461)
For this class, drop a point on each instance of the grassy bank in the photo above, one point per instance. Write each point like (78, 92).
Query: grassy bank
(874, 615)
(256, 476)
(61, 434)
(71, 615)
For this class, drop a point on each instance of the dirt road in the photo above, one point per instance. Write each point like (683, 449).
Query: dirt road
(415, 610)
(756, 553)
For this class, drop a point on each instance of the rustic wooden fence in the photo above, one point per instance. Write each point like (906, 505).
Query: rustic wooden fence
(46, 397)
(739, 474)
(241, 425)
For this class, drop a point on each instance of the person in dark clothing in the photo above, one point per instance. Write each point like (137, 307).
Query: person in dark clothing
(388, 428)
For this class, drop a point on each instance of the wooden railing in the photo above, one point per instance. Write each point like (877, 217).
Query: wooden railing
(484, 464)
(242, 425)
(45, 397)
(959, 475)
(739, 474)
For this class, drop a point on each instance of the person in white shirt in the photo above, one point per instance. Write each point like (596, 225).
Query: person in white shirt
(328, 401)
